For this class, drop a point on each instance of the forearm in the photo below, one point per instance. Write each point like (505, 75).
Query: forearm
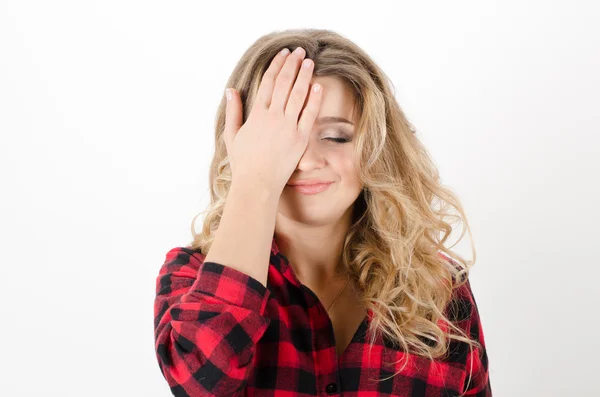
(243, 239)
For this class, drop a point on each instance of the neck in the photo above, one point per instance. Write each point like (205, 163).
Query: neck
(313, 254)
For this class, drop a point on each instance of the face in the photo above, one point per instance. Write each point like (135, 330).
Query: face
(328, 156)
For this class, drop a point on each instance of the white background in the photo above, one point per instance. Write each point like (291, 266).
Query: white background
(106, 122)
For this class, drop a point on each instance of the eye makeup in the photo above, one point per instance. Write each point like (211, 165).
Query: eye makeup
(343, 137)
(338, 140)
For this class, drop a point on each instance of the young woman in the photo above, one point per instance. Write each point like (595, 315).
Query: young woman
(319, 269)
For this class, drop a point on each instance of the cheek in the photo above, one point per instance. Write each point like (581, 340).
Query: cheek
(343, 165)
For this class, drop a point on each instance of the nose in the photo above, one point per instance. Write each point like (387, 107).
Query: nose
(312, 158)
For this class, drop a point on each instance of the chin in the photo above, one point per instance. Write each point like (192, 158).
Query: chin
(313, 215)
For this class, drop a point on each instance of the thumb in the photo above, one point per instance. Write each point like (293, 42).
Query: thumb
(233, 116)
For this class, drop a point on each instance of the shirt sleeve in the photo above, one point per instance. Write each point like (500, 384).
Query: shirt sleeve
(207, 320)
(478, 384)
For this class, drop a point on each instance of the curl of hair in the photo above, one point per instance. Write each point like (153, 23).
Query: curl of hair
(394, 250)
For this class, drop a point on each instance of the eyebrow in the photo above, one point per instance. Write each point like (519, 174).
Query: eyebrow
(332, 119)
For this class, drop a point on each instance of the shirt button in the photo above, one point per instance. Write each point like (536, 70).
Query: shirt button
(331, 388)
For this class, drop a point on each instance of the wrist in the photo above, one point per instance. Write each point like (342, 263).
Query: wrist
(253, 189)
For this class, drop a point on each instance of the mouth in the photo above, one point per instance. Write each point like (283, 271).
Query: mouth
(311, 189)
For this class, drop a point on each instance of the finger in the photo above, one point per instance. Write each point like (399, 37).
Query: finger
(310, 112)
(233, 118)
(298, 94)
(265, 89)
(285, 80)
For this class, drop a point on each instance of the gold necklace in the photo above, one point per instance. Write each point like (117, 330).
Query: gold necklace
(340, 294)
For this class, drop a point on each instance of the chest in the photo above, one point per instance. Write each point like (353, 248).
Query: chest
(346, 316)
(296, 355)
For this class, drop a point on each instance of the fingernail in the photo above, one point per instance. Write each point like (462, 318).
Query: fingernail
(228, 94)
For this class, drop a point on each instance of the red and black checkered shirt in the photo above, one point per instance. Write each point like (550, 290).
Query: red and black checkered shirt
(220, 332)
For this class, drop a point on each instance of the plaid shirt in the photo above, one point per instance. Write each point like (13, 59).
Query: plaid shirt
(220, 332)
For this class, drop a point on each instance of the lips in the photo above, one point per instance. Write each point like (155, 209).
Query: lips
(312, 188)
(306, 182)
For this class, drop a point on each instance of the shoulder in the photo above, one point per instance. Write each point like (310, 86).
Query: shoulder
(462, 306)
(183, 256)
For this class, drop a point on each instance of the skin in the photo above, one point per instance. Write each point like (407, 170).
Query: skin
(310, 229)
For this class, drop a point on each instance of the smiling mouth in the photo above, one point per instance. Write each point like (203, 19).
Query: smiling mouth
(311, 189)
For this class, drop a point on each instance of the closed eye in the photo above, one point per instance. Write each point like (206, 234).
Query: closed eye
(338, 140)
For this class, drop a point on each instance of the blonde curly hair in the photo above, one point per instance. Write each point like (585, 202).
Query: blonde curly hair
(393, 250)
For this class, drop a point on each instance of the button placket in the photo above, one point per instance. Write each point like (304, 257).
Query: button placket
(331, 388)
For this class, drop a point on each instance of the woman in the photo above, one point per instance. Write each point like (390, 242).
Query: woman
(319, 269)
